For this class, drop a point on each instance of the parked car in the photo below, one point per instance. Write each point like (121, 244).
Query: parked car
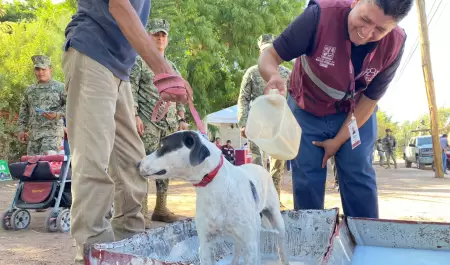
(419, 151)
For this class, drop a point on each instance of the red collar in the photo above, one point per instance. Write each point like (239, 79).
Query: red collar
(210, 177)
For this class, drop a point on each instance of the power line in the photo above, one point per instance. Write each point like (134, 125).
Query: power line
(416, 43)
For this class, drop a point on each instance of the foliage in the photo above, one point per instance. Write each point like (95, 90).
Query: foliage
(214, 44)
(44, 35)
(16, 10)
(24, 38)
(211, 44)
(403, 132)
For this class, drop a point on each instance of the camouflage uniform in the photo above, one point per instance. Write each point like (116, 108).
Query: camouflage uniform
(389, 145)
(146, 96)
(252, 86)
(44, 135)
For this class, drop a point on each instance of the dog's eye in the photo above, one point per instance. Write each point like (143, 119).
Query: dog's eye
(189, 142)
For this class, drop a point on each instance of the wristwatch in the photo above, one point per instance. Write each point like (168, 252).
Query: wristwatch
(181, 120)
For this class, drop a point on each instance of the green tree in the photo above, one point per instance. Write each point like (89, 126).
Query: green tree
(2, 11)
(43, 35)
(213, 43)
(16, 10)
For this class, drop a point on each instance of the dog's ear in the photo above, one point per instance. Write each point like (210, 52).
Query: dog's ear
(199, 152)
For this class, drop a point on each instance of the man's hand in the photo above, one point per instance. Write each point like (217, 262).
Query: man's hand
(183, 126)
(243, 132)
(183, 99)
(331, 146)
(49, 115)
(139, 126)
(22, 137)
(276, 82)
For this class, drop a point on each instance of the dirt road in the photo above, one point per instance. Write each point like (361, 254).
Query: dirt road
(408, 194)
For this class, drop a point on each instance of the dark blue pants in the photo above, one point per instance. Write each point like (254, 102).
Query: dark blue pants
(444, 161)
(357, 181)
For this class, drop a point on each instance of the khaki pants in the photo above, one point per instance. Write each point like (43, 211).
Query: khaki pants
(105, 150)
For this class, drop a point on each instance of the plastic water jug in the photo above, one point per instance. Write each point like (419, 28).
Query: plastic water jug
(272, 126)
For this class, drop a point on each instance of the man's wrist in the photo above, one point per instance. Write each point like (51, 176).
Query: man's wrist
(341, 137)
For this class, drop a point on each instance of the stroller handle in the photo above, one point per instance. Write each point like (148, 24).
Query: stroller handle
(47, 158)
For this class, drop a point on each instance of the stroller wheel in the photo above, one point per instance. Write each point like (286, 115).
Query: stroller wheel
(6, 219)
(20, 219)
(63, 221)
(50, 221)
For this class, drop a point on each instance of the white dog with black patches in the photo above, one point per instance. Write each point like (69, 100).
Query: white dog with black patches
(230, 199)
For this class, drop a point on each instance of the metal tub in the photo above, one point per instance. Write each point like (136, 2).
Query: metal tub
(308, 235)
(387, 242)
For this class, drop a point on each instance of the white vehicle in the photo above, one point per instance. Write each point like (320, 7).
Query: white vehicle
(419, 151)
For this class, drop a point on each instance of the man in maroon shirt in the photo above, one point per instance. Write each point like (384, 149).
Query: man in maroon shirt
(347, 54)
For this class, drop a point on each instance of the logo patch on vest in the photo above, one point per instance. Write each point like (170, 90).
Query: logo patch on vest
(370, 74)
(327, 56)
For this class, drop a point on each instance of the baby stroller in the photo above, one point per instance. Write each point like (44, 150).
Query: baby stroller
(44, 182)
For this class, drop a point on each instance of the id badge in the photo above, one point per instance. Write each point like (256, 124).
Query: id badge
(354, 133)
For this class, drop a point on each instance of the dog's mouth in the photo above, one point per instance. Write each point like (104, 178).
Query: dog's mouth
(159, 173)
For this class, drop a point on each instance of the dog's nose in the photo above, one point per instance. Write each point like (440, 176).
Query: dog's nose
(138, 164)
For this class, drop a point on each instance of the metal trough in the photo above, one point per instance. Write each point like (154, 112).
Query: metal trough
(360, 241)
(308, 234)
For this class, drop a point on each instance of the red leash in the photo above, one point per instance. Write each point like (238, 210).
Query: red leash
(175, 85)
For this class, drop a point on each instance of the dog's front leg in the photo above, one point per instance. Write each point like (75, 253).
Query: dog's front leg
(205, 252)
(252, 255)
(251, 250)
(237, 252)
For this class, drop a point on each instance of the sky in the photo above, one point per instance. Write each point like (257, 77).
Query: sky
(406, 98)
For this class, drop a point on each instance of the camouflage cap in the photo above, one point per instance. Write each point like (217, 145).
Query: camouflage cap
(41, 61)
(157, 25)
(265, 41)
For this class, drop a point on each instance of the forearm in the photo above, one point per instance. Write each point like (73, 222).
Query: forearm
(268, 63)
(23, 118)
(243, 109)
(61, 112)
(363, 111)
(23, 125)
(132, 28)
(135, 100)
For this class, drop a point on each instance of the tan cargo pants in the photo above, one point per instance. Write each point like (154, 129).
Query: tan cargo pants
(105, 150)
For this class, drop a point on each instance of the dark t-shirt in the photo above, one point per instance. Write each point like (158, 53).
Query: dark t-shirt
(228, 152)
(299, 39)
(94, 32)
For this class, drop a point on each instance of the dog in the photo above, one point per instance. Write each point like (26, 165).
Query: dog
(231, 200)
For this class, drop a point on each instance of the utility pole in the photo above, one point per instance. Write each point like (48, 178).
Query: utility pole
(429, 84)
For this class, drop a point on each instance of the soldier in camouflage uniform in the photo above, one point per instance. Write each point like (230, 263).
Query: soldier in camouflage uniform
(389, 145)
(46, 127)
(252, 86)
(146, 96)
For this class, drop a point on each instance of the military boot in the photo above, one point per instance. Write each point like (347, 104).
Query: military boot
(161, 212)
(144, 211)
(282, 207)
